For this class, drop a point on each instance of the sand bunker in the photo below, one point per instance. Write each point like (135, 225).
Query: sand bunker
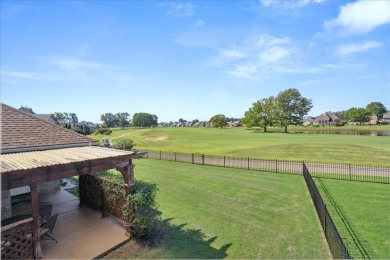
(156, 138)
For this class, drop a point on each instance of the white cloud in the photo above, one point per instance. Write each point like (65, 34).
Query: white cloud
(248, 71)
(232, 54)
(58, 68)
(289, 4)
(70, 63)
(361, 17)
(181, 10)
(199, 23)
(258, 56)
(346, 49)
(275, 54)
(266, 40)
(27, 75)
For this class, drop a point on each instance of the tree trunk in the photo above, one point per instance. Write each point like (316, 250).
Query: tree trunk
(265, 129)
(285, 128)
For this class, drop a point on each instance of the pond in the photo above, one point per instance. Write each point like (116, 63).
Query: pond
(347, 132)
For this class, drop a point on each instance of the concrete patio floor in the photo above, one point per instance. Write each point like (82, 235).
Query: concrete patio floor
(81, 232)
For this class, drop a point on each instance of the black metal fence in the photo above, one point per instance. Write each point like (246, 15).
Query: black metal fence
(333, 171)
(333, 238)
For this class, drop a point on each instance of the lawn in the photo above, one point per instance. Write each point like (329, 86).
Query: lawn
(361, 212)
(241, 142)
(215, 212)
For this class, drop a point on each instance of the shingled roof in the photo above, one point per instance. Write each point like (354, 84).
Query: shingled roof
(21, 131)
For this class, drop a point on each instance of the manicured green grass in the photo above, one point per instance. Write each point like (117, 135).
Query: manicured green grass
(216, 212)
(241, 142)
(361, 212)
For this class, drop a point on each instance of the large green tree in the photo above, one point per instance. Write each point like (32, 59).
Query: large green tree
(219, 120)
(122, 119)
(260, 114)
(358, 115)
(290, 107)
(377, 109)
(144, 120)
(59, 117)
(109, 119)
(65, 117)
(73, 118)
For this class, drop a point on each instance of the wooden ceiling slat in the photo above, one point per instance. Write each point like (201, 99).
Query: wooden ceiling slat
(18, 169)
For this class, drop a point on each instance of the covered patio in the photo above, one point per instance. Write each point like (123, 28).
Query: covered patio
(81, 232)
(35, 156)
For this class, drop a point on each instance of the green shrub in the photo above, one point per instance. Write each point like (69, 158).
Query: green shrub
(140, 210)
(103, 131)
(124, 144)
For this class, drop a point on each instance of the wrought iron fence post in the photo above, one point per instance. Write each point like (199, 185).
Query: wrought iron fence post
(202, 159)
(276, 165)
(175, 156)
(350, 176)
(192, 158)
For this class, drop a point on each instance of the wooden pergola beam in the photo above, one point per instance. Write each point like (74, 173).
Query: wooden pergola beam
(23, 177)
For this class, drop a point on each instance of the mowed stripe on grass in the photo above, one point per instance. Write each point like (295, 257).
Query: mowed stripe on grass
(361, 212)
(249, 214)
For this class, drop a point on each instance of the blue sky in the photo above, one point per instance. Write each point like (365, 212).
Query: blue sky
(192, 60)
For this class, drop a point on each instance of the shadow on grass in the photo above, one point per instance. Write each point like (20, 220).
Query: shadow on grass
(177, 242)
(358, 243)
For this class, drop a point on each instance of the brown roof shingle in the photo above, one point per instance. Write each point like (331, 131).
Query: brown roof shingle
(322, 117)
(20, 130)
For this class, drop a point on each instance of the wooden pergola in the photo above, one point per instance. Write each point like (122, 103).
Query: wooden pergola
(31, 168)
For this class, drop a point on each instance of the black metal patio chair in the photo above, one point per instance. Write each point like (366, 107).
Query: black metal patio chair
(48, 227)
(45, 210)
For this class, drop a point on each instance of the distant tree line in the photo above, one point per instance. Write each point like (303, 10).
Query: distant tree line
(65, 117)
(361, 115)
(122, 120)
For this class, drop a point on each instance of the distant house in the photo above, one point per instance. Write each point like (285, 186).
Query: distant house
(234, 123)
(48, 118)
(73, 125)
(308, 120)
(386, 118)
(328, 119)
(373, 120)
